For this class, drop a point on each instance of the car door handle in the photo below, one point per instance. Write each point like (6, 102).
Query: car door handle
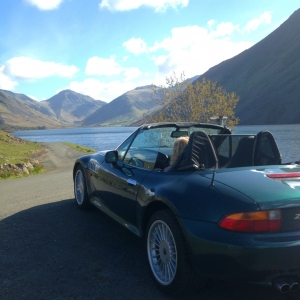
(131, 181)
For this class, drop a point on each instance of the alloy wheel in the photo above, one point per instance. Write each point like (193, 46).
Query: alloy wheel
(162, 252)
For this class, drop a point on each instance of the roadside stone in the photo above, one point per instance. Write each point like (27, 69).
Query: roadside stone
(34, 162)
(28, 165)
(17, 168)
(21, 168)
(8, 169)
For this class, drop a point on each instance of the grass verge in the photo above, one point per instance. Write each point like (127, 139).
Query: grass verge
(81, 148)
(16, 153)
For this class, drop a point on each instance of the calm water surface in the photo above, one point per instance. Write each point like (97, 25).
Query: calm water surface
(98, 138)
(287, 138)
(102, 138)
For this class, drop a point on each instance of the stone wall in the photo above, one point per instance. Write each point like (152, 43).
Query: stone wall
(19, 169)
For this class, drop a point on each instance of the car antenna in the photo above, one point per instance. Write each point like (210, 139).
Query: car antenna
(213, 177)
(216, 164)
(214, 173)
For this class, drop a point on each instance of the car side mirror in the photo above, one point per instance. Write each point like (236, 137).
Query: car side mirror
(111, 157)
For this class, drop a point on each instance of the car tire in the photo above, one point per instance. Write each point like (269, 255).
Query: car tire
(80, 190)
(168, 257)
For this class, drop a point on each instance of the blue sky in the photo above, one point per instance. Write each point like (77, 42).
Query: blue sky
(104, 48)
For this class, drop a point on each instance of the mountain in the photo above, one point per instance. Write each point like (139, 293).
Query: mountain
(16, 112)
(67, 108)
(192, 79)
(266, 77)
(123, 110)
(72, 107)
(36, 105)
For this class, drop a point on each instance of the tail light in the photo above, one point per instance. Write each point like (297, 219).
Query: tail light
(252, 222)
(284, 175)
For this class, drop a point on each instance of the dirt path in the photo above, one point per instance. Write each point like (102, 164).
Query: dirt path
(23, 193)
(58, 156)
(49, 249)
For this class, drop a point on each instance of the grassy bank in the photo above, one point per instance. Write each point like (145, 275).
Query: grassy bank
(17, 156)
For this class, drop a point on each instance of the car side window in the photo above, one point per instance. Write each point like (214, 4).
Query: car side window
(123, 147)
(143, 150)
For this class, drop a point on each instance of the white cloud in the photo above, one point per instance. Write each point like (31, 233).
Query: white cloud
(191, 49)
(182, 38)
(224, 29)
(28, 68)
(132, 73)
(5, 82)
(210, 23)
(105, 91)
(264, 18)
(103, 66)
(110, 67)
(158, 5)
(135, 46)
(45, 4)
(194, 49)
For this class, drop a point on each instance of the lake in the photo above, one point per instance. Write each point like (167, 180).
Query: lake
(102, 138)
(99, 138)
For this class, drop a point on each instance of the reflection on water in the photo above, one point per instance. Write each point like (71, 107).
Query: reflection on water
(102, 138)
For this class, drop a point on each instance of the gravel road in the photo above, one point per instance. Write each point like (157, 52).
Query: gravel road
(49, 249)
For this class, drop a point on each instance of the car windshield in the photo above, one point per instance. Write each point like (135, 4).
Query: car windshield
(154, 143)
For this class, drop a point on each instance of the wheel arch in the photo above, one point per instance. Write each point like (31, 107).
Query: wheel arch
(151, 209)
(77, 163)
(186, 279)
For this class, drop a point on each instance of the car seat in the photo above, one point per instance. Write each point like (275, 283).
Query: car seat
(266, 150)
(198, 154)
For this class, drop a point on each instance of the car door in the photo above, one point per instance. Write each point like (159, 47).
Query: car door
(118, 188)
(119, 184)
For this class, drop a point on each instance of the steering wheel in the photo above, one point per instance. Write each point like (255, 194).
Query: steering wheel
(136, 162)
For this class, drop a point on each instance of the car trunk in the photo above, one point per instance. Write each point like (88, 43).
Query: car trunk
(270, 187)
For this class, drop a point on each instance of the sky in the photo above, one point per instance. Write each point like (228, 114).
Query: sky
(104, 48)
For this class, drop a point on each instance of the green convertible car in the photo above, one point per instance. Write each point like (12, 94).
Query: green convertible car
(227, 209)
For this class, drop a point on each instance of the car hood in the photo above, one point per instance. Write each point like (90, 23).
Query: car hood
(269, 186)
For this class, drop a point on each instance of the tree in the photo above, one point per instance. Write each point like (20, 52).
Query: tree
(182, 101)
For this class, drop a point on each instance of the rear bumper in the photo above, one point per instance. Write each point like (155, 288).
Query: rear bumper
(259, 258)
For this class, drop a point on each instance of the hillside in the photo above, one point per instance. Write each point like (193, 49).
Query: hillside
(72, 107)
(124, 109)
(14, 112)
(67, 108)
(36, 105)
(266, 77)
